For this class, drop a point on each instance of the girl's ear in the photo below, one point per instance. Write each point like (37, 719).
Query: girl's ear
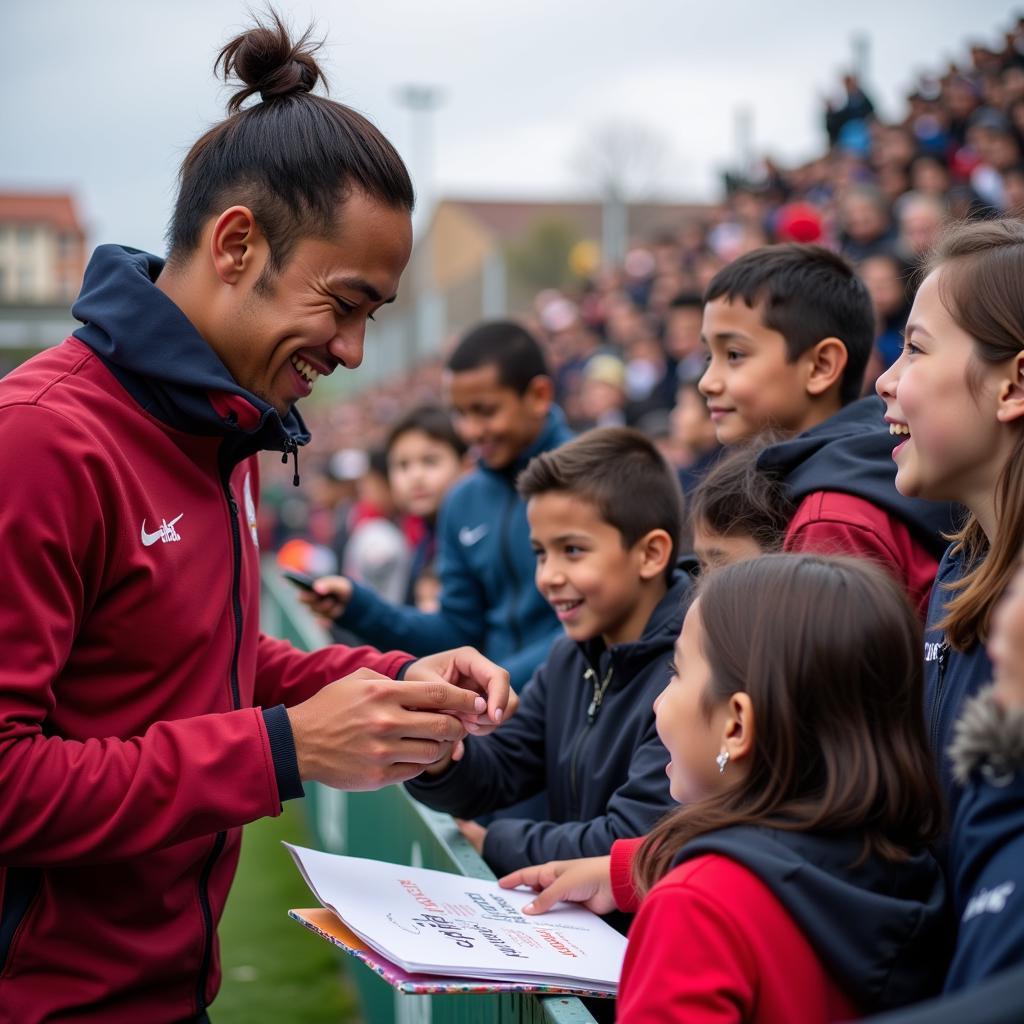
(655, 549)
(738, 734)
(1011, 392)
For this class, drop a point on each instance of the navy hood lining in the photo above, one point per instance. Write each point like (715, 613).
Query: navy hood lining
(157, 354)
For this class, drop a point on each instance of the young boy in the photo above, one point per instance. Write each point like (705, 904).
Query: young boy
(501, 394)
(606, 562)
(789, 330)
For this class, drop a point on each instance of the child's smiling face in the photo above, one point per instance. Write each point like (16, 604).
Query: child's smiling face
(750, 384)
(944, 399)
(596, 585)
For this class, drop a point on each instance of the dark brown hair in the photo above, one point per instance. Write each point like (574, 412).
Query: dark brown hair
(735, 498)
(981, 288)
(431, 420)
(293, 158)
(620, 472)
(807, 294)
(829, 651)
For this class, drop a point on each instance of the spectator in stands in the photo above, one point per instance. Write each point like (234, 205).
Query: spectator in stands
(856, 107)
(885, 277)
(765, 897)
(789, 331)
(501, 393)
(603, 395)
(694, 441)
(584, 730)
(737, 511)
(920, 218)
(682, 335)
(377, 554)
(865, 226)
(426, 457)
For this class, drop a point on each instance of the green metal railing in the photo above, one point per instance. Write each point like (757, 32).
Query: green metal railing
(389, 825)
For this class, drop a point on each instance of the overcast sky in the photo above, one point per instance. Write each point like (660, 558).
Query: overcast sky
(104, 97)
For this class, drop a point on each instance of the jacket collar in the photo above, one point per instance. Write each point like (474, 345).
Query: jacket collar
(165, 364)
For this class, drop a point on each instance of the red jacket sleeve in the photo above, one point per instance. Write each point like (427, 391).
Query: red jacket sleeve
(285, 675)
(686, 961)
(624, 852)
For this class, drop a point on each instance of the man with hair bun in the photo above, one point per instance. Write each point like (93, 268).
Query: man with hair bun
(143, 717)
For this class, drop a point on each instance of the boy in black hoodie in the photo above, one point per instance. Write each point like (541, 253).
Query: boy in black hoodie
(789, 330)
(605, 513)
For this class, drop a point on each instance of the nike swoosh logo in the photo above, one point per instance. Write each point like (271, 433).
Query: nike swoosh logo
(166, 530)
(468, 537)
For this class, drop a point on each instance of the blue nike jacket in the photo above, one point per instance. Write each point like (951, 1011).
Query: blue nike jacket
(486, 567)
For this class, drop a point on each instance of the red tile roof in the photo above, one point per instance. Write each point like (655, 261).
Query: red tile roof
(56, 210)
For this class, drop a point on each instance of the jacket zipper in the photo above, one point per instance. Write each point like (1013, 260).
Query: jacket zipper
(592, 713)
(506, 529)
(219, 842)
(941, 659)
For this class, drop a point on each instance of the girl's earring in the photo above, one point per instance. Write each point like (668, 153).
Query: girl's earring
(722, 760)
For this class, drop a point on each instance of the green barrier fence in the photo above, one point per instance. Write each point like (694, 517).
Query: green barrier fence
(389, 825)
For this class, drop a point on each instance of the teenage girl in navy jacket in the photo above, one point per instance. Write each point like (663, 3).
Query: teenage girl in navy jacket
(957, 395)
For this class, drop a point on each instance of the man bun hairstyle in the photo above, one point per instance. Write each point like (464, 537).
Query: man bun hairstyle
(807, 294)
(292, 158)
(622, 474)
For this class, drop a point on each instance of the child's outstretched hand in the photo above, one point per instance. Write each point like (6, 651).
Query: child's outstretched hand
(329, 598)
(587, 881)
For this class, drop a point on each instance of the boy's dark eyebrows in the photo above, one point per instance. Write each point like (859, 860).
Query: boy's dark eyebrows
(725, 336)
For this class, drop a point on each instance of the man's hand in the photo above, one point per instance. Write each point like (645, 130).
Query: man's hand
(587, 880)
(475, 834)
(329, 598)
(367, 731)
(469, 669)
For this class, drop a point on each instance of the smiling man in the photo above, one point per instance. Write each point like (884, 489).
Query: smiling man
(143, 716)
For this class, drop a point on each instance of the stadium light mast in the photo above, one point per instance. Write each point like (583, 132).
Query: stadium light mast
(421, 101)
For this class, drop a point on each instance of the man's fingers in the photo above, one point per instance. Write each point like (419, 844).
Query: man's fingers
(443, 696)
(486, 676)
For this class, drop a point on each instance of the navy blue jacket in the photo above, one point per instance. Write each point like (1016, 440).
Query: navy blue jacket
(950, 677)
(601, 762)
(986, 850)
(486, 567)
(880, 927)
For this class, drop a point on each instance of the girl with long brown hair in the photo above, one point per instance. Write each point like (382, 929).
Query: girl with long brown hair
(794, 883)
(957, 395)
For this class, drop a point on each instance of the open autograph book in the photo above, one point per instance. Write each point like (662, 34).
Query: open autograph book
(430, 931)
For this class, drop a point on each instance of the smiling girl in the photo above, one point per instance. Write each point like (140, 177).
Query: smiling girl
(794, 883)
(957, 393)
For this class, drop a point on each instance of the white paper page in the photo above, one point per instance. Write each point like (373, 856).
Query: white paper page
(441, 923)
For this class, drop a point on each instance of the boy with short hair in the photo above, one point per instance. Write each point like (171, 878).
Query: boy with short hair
(789, 329)
(605, 512)
(501, 396)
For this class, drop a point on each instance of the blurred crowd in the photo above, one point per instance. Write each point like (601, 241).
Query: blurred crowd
(624, 346)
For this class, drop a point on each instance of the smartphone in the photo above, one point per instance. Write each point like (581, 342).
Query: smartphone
(301, 579)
